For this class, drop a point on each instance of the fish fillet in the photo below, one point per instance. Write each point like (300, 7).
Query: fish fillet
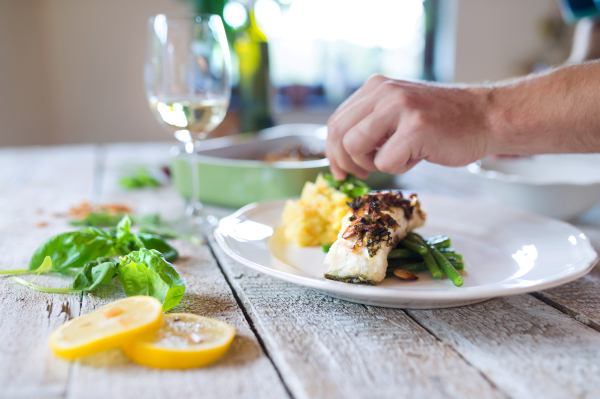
(375, 224)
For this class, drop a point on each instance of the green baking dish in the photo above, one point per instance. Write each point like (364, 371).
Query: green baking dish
(230, 174)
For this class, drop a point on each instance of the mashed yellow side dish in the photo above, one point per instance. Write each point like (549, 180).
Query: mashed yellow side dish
(316, 218)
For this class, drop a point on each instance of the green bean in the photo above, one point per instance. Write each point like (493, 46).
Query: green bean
(458, 265)
(447, 250)
(446, 266)
(452, 255)
(443, 244)
(326, 248)
(440, 241)
(411, 267)
(417, 247)
(427, 257)
(403, 254)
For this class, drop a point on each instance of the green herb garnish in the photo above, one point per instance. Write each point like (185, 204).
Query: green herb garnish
(148, 224)
(351, 186)
(141, 179)
(99, 219)
(143, 267)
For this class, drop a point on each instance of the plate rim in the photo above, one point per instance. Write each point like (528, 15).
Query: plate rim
(391, 294)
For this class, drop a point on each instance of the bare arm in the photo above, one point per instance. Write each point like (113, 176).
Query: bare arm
(391, 125)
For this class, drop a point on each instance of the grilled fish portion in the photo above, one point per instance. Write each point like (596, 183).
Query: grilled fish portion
(374, 225)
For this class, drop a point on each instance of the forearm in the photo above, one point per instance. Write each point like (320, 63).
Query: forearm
(553, 112)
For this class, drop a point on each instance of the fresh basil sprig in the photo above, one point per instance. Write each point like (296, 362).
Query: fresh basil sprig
(146, 272)
(94, 274)
(143, 272)
(72, 250)
(351, 186)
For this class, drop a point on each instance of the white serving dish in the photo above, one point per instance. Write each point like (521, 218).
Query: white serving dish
(506, 252)
(557, 185)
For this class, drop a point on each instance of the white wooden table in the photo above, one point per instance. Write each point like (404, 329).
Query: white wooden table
(292, 342)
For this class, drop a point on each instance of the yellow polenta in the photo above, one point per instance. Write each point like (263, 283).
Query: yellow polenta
(316, 218)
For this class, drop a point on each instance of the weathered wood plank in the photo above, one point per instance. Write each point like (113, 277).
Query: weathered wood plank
(525, 347)
(581, 298)
(328, 348)
(42, 180)
(245, 371)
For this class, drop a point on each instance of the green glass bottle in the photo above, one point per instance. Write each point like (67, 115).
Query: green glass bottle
(253, 54)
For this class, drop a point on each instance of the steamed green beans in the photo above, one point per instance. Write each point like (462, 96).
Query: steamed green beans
(403, 253)
(435, 254)
(430, 261)
(415, 246)
(446, 266)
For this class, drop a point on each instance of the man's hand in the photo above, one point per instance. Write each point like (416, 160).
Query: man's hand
(391, 125)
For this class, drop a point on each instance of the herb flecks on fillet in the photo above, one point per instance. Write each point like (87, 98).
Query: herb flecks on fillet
(369, 222)
(375, 223)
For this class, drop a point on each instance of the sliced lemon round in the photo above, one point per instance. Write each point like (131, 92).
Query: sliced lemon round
(184, 341)
(107, 327)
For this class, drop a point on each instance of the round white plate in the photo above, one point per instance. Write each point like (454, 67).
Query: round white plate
(506, 252)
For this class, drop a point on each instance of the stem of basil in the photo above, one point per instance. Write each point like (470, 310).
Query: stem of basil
(17, 271)
(39, 288)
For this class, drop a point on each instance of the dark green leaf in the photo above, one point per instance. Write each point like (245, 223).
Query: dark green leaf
(73, 249)
(146, 272)
(153, 241)
(94, 273)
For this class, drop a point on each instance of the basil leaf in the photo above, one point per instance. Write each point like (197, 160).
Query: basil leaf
(46, 264)
(146, 272)
(153, 241)
(351, 186)
(124, 230)
(73, 249)
(94, 273)
(141, 179)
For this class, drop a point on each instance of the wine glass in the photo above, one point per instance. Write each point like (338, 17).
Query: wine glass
(187, 82)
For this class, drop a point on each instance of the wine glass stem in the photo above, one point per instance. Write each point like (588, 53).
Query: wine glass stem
(195, 206)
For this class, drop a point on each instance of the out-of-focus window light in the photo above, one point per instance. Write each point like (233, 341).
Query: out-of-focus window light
(338, 44)
(235, 14)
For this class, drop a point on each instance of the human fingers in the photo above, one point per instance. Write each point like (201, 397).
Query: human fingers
(400, 153)
(361, 141)
(336, 171)
(371, 84)
(345, 163)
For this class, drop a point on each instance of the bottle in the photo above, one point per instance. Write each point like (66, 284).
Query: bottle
(253, 56)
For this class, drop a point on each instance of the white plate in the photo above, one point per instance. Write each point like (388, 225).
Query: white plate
(506, 252)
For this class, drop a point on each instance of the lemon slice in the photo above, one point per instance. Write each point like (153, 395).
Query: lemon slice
(184, 341)
(107, 327)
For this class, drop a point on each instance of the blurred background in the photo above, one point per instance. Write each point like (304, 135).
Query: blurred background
(71, 71)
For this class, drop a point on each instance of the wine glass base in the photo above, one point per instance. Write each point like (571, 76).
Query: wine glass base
(197, 220)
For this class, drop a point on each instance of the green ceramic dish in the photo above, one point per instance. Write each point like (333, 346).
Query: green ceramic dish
(231, 174)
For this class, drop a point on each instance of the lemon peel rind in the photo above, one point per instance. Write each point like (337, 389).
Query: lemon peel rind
(109, 342)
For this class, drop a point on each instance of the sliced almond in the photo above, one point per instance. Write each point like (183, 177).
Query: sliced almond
(404, 274)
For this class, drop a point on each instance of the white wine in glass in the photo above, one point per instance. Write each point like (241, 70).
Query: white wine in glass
(200, 116)
(187, 82)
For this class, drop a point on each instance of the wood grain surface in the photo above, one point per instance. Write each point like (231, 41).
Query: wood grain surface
(525, 347)
(37, 183)
(291, 341)
(244, 371)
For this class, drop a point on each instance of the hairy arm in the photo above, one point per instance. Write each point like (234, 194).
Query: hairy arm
(391, 125)
(554, 112)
